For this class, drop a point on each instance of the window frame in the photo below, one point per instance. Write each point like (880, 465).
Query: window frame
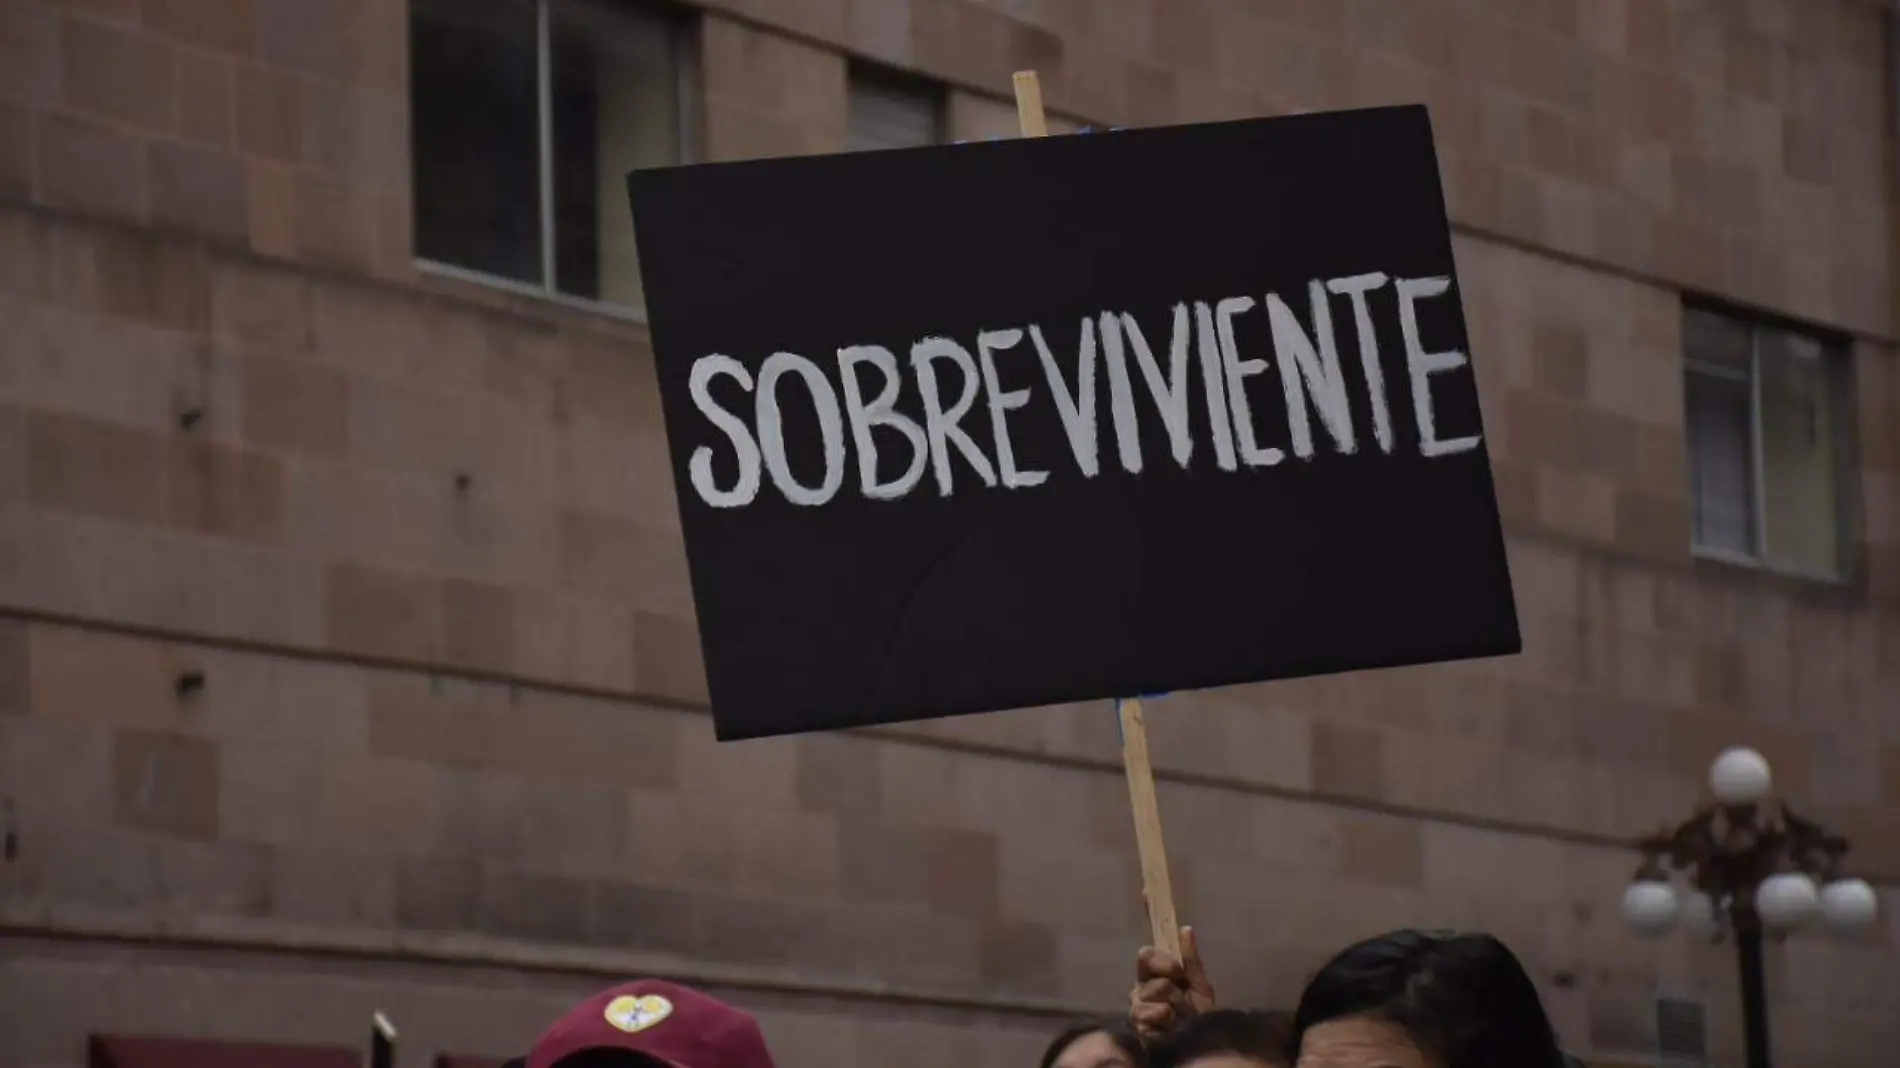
(684, 29)
(1836, 353)
(890, 79)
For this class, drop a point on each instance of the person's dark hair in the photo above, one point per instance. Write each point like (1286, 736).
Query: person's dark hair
(1116, 1028)
(1262, 1036)
(1464, 999)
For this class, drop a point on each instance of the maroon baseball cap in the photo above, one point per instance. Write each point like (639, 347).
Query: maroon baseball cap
(681, 1028)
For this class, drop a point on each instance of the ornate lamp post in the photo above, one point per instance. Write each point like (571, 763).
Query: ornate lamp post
(1753, 868)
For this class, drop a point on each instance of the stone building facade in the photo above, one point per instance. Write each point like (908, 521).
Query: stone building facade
(347, 656)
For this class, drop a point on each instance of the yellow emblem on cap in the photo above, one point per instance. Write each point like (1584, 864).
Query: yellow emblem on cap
(634, 1015)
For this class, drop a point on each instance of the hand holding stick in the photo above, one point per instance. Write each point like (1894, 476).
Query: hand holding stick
(1169, 990)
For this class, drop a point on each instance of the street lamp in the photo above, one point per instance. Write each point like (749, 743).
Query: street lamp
(1752, 867)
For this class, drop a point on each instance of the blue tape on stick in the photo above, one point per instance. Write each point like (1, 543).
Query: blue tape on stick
(1120, 734)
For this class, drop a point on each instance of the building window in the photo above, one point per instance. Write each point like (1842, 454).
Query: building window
(1765, 413)
(527, 116)
(890, 111)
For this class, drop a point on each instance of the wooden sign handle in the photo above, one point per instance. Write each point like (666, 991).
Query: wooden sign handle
(1156, 888)
(1155, 885)
(1029, 113)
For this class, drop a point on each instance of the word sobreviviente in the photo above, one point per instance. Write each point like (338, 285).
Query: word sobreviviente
(1309, 374)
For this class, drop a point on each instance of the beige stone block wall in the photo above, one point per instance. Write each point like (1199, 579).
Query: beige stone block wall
(391, 818)
(419, 536)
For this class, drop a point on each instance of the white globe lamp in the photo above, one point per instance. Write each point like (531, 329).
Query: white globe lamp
(1740, 777)
(1787, 901)
(1849, 905)
(1650, 908)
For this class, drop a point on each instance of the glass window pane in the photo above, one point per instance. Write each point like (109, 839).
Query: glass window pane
(889, 114)
(1721, 463)
(616, 80)
(476, 123)
(1800, 454)
(1715, 341)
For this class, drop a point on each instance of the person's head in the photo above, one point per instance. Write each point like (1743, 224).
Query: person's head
(1107, 1043)
(1227, 1038)
(651, 1024)
(1412, 999)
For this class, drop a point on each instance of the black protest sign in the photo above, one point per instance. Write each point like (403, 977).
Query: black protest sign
(997, 425)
